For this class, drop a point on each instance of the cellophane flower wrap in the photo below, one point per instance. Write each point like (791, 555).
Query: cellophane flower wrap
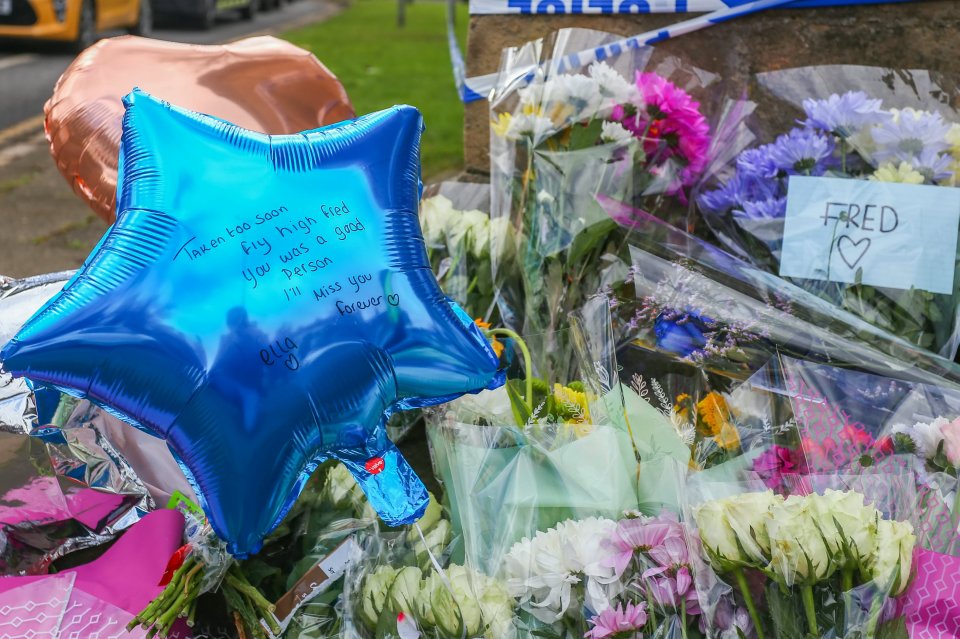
(539, 487)
(685, 299)
(633, 127)
(836, 526)
(896, 133)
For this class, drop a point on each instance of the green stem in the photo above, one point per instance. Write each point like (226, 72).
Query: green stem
(810, 609)
(748, 600)
(846, 585)
(683, 616)
(955, 515)
(651, 615)
(876, 607)
(527, 361)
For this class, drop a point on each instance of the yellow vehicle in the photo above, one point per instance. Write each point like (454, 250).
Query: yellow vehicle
(75, 21)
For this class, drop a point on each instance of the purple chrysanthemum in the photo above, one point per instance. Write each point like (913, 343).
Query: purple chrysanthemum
(771, 208)
(844, 115)
(802, 152)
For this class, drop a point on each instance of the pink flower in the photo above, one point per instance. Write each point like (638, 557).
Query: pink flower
(666, 593)
(775, 462)
(670, 125)
(951, 441)
(673, 557)
(619, 621)
(639, 535)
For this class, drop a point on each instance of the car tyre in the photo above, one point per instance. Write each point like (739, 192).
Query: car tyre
(87, 27)
(144, 26)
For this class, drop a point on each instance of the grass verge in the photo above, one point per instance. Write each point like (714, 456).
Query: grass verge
(382, 64)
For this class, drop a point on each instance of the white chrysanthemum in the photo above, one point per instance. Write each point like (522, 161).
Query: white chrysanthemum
(570, 98)
(614, 132)
(542, 571)
(926, 436)
(530, 125)
(614, 88)
(491, 405)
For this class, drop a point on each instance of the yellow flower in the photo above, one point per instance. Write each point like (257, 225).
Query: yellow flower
(572, 406)
(502, 124)
(496, 344)
(713, 412)
(681, 406)
(902, 174)
(532, 109)
(729, 437)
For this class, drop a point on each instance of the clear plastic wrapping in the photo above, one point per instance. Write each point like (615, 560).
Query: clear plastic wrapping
(870, 147)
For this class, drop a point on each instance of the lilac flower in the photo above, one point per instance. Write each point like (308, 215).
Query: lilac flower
(802, 151)
(664, 591)
(620, 621)
(758, 162)
(640, 535)
(933, 166)
(672, 556)
(845, 114)
(910, 134)
(768, 209)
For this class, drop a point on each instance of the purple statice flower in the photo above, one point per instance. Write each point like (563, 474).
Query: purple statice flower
(844, 115)
(773, 208)
(758, 162)
(620, 621)
(910, 134)
(803, 152)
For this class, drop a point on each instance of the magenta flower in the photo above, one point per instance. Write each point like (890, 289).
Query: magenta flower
(775, 462)
(614, 623)
(639, 535)
(669, 123)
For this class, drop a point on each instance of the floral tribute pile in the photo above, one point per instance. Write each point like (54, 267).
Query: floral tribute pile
(688, 445)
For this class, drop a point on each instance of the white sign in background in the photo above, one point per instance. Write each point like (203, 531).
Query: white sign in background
(480, 7)
(899, 236)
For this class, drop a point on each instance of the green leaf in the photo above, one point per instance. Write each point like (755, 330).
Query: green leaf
(893, 629)
(589, 238)
(785, 617)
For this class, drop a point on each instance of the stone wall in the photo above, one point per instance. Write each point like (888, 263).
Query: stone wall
(922, 34)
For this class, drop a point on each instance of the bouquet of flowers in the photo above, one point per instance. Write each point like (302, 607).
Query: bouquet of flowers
(835, 202)
(561, 135)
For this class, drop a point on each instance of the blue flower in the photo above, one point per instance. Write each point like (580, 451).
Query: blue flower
(681, 333)
(803, 152)
(844, 115)
(758, 162)
(910, 135)
(770, 208)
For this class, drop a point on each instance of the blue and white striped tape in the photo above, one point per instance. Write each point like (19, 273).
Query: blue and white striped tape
(479, 87)
(487, 7)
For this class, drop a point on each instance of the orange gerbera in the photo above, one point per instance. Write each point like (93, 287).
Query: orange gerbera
(496, 344)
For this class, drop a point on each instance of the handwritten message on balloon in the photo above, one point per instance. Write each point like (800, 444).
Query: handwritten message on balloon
(899, 236)
(297, 250)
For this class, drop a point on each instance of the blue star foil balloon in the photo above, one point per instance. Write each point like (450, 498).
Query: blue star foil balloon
(262, 303)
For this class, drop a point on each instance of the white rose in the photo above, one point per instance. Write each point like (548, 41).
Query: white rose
(477, 600)
(748, 515)
(891, 563)
(435, 215)
(404, 590)
(502, 243)
(717, 535)
(798, 553)
(373, 595)
(849, 526)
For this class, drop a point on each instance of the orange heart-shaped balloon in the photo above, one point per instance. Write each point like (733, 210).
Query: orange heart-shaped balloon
(262, 83)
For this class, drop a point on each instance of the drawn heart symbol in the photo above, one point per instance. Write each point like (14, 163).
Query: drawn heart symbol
(292, 362)
(849, 249)
(393, 300)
